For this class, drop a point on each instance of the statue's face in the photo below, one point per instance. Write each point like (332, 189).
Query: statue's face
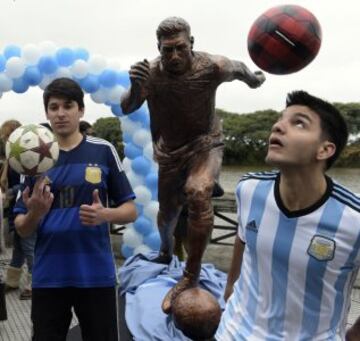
(176, 53)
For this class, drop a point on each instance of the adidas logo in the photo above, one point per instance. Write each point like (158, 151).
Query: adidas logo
(251, 225)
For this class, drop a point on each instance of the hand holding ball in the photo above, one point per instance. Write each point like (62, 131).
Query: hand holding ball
(31, 150)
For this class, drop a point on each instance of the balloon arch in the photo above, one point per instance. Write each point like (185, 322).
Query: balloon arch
(38, 65)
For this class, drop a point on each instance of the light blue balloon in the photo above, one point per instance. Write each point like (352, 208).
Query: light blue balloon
(108, 78)
(126, 137)
(139, 209)
(152, 240)
(132, 151)
(2, 62)
(12, 51)
(139, 115)
(90, 83)
(65, 56)
(20, 85)
(141, 165)
(48, 64)
(151, 181)
(116, 109)
(81, 53)
(143, 225)
(32, 75)
(126, 250)
(123, 78)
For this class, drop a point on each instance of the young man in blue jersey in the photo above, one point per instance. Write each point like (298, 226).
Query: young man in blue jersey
(296, 255)
(74, 265)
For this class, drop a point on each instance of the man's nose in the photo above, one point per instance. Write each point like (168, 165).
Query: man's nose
(278, 127)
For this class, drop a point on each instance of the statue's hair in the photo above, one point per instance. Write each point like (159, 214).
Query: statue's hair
(171, 26)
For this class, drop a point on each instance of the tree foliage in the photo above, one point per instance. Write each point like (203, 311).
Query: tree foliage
(109, 128)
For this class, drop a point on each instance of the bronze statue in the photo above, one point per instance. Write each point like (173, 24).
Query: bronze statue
(180, 87)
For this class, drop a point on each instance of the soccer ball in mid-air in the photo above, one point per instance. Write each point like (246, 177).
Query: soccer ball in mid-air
(284, 39)
(32, 149)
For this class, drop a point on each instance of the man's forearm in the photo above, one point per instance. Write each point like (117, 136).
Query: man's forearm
(26, 224)
(124, 214)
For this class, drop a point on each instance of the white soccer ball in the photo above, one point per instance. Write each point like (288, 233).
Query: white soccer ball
(31, 149)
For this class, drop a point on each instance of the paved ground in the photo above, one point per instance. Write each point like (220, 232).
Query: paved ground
(18, 326)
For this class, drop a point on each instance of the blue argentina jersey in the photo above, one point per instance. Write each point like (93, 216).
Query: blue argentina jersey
(67, 253)
(298, 267)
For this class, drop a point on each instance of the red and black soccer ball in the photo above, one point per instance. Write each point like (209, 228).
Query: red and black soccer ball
(284, 39)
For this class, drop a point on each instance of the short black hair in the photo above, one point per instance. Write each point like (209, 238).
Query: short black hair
(171, 26)
(332, 122)
(64, 88)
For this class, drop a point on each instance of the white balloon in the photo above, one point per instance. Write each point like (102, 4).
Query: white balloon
(129, 126)
(132, 238)
(6, 83)
(144, 249)
(134, 179)
(99, 96)
(114, 64)
(149, 151)
(63, 72)
(47, 48)
(80, 68)
(97, 64)
(115, 94)
(15, 67)
(47, 79)
(31, 54)
(126, 163)
(151, 210)
(143, 195)
(142, 137)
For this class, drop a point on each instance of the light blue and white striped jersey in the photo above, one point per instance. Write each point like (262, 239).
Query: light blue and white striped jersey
(298, 267)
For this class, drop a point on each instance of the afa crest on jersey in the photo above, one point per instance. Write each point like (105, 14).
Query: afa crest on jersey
(322, 248)
(93, 174)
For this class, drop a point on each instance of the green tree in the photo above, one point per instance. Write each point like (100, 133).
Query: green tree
(246, 136)
(109, 128)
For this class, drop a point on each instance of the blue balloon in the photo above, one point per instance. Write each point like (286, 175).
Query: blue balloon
(12, 51)
(90, 83)
(116, 109)
(143, 225)
(152, 240)
(126, 137)
(48, 64)
(123, 78)
(151, 181)
(127, 251)
(132, 151)
(139, 209)
(81, 53)
(32, 75)
(141, 165)
(2, 63)
(65, 56)
(139, 115)
(108, 78)
(20, 85)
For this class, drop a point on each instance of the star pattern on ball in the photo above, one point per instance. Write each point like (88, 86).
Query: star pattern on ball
(43, 149)
(16, 149)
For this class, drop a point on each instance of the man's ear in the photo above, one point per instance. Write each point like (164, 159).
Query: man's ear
(82, 111)
(326, 150)
(192, 41)
(158, 46)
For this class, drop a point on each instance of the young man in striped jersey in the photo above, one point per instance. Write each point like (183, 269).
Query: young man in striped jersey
(74, 266)
(296, 255)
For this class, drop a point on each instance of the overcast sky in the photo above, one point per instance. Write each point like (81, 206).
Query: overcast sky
(125, 30)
